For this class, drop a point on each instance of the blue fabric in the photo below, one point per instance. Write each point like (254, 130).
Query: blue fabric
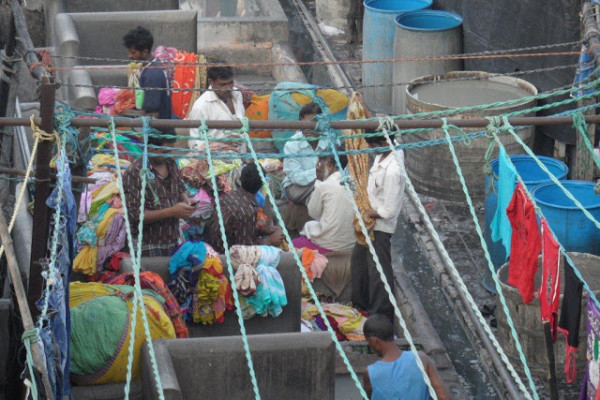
(260, 199)
(398, 380)
(188, 255)
(507, 178)
(301, 170)
(57, 326)
(159, 101)
(270, 297)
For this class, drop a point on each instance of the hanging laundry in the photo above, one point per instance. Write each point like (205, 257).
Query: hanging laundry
(570, 315)
(507, 175)
(525, 244)
(592, 377)
(549, 290)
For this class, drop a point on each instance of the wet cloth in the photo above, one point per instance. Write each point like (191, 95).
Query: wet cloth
(549, 290)
(331, 208)
(592, 380)
(159, 237)
(270, 297)
(507, 177)
(400, 379)
(189, 254)
(525, 244)
(570, 315)
(304, 242)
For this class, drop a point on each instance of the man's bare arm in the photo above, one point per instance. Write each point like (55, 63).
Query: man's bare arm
(436, 381)
(367, 383)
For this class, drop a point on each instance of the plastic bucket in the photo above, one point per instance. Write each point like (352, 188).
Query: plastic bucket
(532, 175)
(572, 228)
(420, 34)
(379, 27)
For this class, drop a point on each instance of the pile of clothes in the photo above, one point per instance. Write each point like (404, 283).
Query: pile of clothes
(347, 322)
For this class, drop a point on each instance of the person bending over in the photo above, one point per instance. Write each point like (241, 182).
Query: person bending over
(396, 376)
(240, 209)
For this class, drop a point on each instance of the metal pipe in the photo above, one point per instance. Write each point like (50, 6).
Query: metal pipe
(17, 172)
(267, 125)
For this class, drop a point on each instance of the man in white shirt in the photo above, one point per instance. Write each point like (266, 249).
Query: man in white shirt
(385, 188)
(221, 102)
(331, 208)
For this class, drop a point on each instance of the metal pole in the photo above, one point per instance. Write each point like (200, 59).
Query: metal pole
(39, 245)
(15, 276)
(16, 172)
(370, 126)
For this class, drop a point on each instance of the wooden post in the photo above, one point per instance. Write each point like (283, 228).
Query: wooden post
(15, 276)
(39, 240)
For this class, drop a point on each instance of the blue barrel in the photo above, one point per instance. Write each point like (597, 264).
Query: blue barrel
(379, 27)
(532, 175)
(574, 231)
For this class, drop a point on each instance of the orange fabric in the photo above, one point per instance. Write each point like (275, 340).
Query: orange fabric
(184, 77)
(308, 256)
(258, 110)
(124, 100)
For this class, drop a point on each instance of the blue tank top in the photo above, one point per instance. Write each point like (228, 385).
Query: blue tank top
(398, 380)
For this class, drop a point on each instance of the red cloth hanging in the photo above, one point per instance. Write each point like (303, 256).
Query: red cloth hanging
(525, 244)
(549, 290)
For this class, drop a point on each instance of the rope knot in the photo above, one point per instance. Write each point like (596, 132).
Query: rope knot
(41, 134)
(446, 127)
(31, 336)
(245, 125)
(493, 127)
(203, 128)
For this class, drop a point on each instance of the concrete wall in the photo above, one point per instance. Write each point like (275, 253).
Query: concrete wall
(288, 366)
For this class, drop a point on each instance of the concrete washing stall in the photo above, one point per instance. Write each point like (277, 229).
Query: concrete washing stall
(250, 37)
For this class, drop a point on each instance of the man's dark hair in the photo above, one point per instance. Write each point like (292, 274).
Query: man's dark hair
(379, 139)
(250, 178)
(379, 326)
(219, 72)
(310, 108)
(139, 38)
(331, 160)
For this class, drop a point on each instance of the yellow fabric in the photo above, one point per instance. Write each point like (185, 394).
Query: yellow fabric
(87, 259)
(300, 99)
(335, 100)
(358, 165)
(105, 191)
(160, 325)
(349, 320)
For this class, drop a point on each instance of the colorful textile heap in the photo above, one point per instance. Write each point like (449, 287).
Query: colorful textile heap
(314, 263)
(202, 291)
(270, 295)
(153, 281)
(346, 321)
(189, 74)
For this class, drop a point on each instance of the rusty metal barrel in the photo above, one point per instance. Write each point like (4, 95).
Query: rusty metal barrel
(431, 168)
(526, 318)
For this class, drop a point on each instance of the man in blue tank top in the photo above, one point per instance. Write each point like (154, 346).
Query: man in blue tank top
(396, 376)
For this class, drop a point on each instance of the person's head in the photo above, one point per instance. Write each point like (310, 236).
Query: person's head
(250, 178)
(376, 141)
(327, 166)
(307, 113)
(139, 42)
(379, 332)
(220, 78)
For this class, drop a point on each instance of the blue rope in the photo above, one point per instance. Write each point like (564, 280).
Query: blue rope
(294, 253)
(203, 130)
(486, 253)
(136, 254)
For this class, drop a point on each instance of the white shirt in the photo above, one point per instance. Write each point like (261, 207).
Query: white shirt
(210, 107)
(386, 190)
(330, 206)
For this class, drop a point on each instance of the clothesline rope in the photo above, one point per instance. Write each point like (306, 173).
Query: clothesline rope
(294, 253)
(238, 309)
(486, 253)
(136, 254)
